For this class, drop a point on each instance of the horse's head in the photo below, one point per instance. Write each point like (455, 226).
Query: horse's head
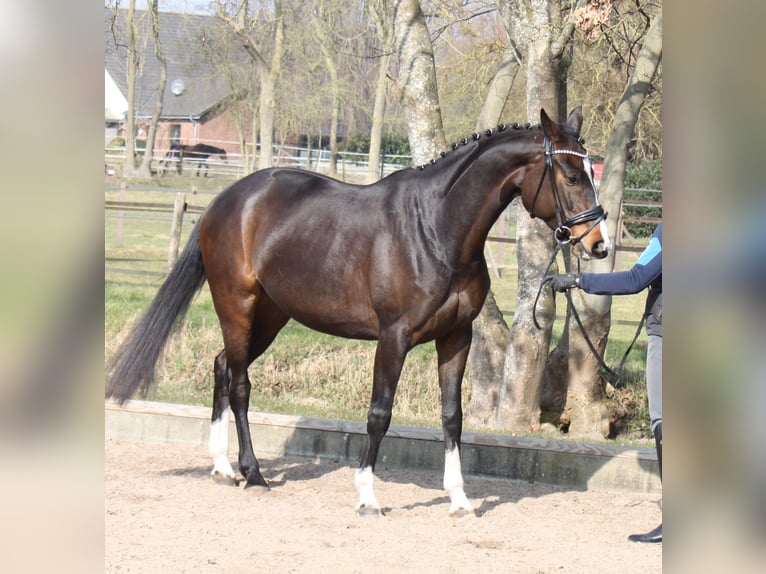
(563, 194)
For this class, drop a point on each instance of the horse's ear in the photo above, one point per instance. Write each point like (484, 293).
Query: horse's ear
(574, 120)
(550, 129)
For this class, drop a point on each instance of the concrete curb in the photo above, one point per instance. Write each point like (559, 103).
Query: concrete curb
(573, 464)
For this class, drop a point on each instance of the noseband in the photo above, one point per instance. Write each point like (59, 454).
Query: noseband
(563, 230)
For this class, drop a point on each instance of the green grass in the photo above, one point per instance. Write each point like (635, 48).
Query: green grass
(304, 372)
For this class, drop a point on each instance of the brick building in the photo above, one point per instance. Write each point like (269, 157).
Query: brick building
(200, 104)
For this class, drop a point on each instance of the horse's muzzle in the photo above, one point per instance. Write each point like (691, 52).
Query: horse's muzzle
(600, 250)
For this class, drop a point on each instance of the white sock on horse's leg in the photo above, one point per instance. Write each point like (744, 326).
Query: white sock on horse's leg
(453, 483)
(364, 485)
(219, 445)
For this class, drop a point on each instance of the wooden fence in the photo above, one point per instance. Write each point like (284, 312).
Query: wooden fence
(186, 203)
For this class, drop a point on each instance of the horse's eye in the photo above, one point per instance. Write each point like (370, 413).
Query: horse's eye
(572, 179)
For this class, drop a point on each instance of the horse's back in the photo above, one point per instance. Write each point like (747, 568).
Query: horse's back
(288, 190)
(307, 239)
(278, 206)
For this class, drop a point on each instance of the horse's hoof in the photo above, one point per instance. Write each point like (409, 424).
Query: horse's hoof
(459, 513)
(257, 484)
(365, 510)
(257, 490)
(226, 480)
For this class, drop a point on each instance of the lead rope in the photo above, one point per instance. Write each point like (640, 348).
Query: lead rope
(609, 374)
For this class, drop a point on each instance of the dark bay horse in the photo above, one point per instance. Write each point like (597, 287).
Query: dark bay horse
(197, 153)
(400, 261)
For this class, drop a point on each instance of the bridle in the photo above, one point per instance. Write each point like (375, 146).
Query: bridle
(563, 231)
(563, 235)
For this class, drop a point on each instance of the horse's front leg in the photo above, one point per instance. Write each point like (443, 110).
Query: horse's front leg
(389, 358)
(452, 353)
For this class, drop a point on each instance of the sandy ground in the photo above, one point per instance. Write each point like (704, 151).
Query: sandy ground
(164, 514)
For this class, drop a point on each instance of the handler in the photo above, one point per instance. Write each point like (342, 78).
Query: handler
(647, 272)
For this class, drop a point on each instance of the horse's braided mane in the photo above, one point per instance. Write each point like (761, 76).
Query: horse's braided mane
(477, 136)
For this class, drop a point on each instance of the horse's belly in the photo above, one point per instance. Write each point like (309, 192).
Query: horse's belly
(336, 312)
(348, 330)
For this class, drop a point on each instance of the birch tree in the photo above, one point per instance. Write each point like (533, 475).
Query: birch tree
(573, 380)
(508, 388)
(129, 167)
(325, 16)
(535, 30)
(145, 169)
(241, 24)
(379, 12)
(417, 82)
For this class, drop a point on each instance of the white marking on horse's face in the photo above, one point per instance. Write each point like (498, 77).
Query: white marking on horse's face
(602, 224)
(588, 167)
(219, 444)
(364, 485)
(605, 235)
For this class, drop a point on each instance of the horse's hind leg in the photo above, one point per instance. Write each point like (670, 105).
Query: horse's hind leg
(249, 328)
(219, 426)
(267, 323)
(452, 354)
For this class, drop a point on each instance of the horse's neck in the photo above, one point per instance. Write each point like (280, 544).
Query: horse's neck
(479, 192)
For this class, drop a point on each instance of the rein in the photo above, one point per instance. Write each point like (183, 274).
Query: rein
(612, 375)
(563, 235)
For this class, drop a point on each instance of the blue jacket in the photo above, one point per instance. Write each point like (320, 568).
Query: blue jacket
(647, 272)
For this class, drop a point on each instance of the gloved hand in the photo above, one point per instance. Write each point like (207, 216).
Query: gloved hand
(563, 282)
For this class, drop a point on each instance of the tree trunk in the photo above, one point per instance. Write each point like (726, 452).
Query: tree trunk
(486, 361)
(381, 15)
(268, 89)
(499, 88)
(573, 391)
(417, 79)
(324, 19)
(626, 116)
(267, 74)
(525, 361)
(491, 335)
(584, 412)
(129, 167)
(538, 33)
(378, 113)
(531, 28)
(145, 169)
(332, 168)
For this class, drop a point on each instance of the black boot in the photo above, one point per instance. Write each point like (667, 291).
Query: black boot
(654, 536)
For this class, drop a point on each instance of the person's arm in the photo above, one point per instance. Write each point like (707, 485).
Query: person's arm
(639, 277)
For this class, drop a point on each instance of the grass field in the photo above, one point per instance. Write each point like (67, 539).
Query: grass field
(304, 372)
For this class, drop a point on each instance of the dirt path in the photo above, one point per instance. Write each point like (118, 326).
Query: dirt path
(165, 515)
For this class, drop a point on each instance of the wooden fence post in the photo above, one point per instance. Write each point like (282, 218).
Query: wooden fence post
(120, 198)
(192, 203)
(175, 230)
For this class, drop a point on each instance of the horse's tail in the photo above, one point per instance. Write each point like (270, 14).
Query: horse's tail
(133, 365)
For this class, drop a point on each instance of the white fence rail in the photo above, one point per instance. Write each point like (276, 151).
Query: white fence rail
(351, 166)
